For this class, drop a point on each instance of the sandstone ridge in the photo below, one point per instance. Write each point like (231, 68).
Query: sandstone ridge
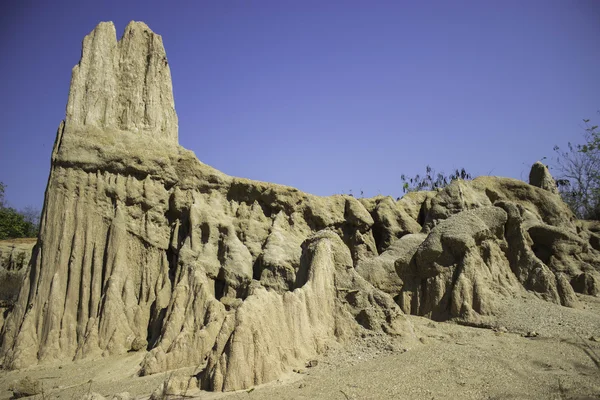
(144, 248)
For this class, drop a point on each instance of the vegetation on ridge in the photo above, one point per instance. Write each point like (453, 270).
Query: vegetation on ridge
(578, 175)
(17, 224)
(432, 180)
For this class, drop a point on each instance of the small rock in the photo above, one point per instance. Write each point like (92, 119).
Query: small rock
(302, 385)
(594, 339)
(174, 386)
(123, 396)
(26, 387)
(312, 363)
(93, 396)
(390, 347)
(532, 334)
(139, 344)
(540, 177)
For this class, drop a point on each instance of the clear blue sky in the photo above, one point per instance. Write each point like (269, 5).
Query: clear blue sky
(326, 96)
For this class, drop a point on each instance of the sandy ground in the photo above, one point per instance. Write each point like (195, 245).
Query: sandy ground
(559, 360)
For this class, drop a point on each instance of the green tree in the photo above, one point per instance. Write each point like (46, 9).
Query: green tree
(2, 187)
(14, 225)
(578, 175)
(432, 180)
(32, 216)
(17, 224)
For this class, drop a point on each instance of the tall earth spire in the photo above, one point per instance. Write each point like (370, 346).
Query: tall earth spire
(93, 283)
(124, 85)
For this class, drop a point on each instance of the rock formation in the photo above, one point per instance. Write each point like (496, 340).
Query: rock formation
(540, 176)
(14, 257)
(144, 248)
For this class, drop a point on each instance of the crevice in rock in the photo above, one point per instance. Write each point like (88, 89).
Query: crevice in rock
(82, 284)
(204, 232)
(221, 246)
(348, 236)
(257, 268)
(180, 230)
(104, 276)
(364, 320)
(220, 286)
(33, 273)
(303, 269)
(241, 292)
(244, 193)
(379, 235)
(422, 214)
(172, 260)
(155, 325)
(267, 210)
(491, 195)
(91, 313)
(542, 252)
(315, 224)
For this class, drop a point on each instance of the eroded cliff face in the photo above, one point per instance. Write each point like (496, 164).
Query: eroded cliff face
(14, 258)
(144, 248)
